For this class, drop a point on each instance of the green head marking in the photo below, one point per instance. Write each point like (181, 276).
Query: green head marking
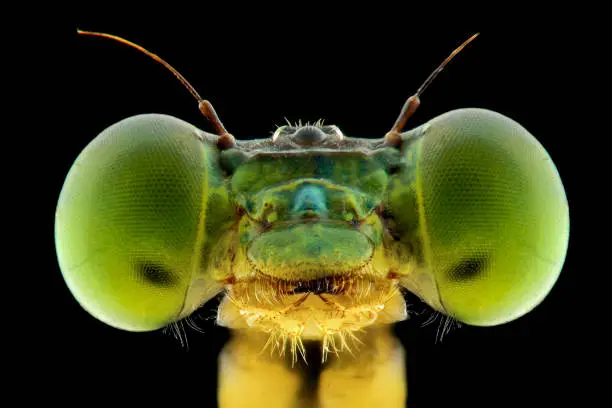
(311, 220)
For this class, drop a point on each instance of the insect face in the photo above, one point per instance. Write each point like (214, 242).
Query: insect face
(311, 236)
(311, 233)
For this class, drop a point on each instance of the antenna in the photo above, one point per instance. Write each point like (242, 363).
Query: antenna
(205, 107)
(392, 137)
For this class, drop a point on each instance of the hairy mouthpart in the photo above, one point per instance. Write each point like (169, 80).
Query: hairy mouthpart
(331, 310)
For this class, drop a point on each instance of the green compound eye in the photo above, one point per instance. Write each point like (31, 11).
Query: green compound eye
(493, 219)
(130, 223)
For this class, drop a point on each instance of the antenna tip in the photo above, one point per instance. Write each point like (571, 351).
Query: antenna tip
(83, 32)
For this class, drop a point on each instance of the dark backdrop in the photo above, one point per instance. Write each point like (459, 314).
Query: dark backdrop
(355, 74)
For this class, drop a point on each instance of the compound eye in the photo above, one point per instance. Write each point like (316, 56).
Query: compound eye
(494, 216)
(129, 222)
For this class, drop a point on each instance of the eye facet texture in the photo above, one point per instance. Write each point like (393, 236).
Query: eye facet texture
(492, 213)
(130, 223)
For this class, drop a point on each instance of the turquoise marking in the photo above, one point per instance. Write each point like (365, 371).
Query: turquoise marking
(310, 200)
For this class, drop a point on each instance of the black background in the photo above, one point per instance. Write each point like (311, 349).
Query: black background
(354, 73)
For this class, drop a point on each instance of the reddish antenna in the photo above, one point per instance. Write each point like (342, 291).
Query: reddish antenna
(226, 140)
(392, 137)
